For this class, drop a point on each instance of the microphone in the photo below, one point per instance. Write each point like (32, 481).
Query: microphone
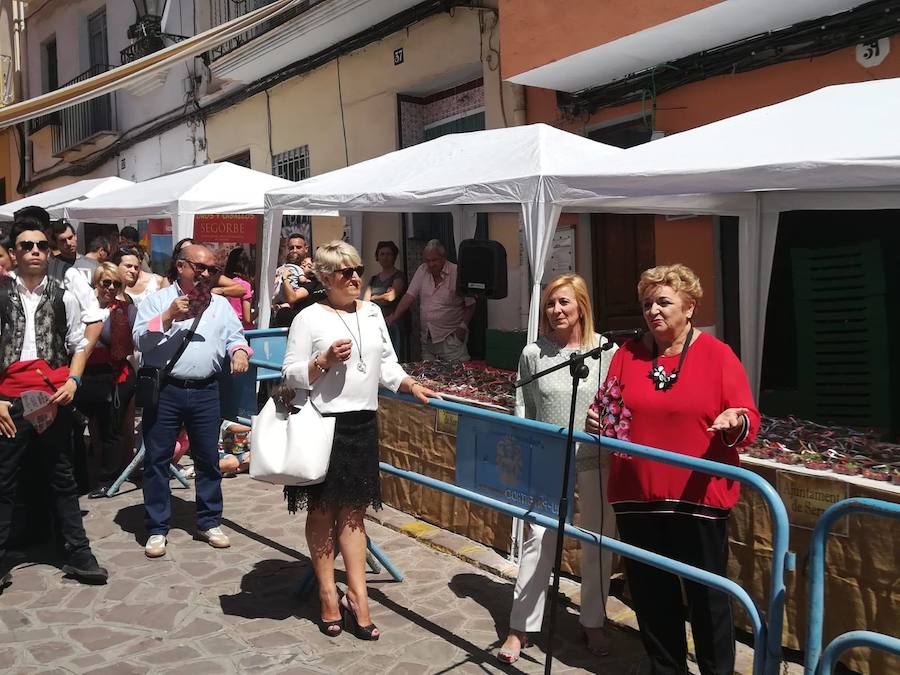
(628, 333)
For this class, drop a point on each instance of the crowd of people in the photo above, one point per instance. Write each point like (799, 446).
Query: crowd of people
(91, 336)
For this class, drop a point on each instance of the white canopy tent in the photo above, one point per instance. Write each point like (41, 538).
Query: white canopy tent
(57, 199)
(211, 188)
(835, 148)
(495, 170)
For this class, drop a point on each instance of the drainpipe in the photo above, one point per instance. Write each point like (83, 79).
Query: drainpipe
(20, 44)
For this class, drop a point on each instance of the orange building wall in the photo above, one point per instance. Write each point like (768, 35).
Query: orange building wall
(575, 25)
(693, 105)
(717, 98)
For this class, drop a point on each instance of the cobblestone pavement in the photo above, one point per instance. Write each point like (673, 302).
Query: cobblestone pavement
(236, 610)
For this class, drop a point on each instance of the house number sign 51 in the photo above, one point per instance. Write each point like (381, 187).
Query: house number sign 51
(869, 54)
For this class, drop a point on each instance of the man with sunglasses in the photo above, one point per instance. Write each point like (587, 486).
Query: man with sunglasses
(42, 349)
(63, 272)
(189, 394)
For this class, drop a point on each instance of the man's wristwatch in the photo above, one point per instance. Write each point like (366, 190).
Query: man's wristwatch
(76, 379)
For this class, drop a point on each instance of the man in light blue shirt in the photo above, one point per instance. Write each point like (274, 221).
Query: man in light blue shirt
(189, 395)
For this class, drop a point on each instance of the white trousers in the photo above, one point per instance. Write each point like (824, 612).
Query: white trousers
(539, 550)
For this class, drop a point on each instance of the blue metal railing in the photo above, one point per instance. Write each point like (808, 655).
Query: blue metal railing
(769, 635)
(782, 560)
(818, 662)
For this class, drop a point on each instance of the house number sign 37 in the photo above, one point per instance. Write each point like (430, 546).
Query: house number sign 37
(869, 54)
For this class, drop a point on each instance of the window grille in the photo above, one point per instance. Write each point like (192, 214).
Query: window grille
(292, 165)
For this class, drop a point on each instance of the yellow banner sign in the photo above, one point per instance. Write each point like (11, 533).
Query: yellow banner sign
(445, 422)
(806, 498)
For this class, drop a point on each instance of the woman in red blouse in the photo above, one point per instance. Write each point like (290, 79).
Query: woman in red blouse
(687, 393)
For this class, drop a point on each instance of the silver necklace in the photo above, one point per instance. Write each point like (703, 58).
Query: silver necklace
(360, 365)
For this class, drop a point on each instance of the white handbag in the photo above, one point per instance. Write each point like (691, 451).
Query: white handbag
(290, 446)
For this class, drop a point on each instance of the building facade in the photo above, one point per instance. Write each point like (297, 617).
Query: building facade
(135, 133)
(347, 80)
(625, 73)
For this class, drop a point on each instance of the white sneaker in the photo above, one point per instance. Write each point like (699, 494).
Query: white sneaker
(156, 546)
(214, 537)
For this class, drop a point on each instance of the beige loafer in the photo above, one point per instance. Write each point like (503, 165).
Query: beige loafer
(214, 537)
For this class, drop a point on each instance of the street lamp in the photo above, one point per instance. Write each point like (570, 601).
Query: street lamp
(146, 31)
(149, 20)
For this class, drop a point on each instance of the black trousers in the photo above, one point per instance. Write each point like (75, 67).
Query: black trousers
(53, 448)
(657, 595)
(104, 401)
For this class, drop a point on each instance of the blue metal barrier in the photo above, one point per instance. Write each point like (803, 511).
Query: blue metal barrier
(817, 662)
(855, 638)
(769, 635)
(782, 561)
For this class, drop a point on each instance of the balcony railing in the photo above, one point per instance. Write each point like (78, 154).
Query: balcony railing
(38, 123)
(221, 11)
(143, 47)
(83, 120)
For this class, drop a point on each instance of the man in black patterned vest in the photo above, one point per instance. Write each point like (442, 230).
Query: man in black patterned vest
(41, 349)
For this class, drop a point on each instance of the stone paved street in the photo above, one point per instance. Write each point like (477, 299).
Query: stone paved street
(236, 610)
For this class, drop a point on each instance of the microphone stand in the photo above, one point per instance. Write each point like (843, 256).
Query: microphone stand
(578, 371)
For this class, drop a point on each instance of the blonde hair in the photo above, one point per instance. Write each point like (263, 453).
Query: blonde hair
(106, 269)
(330, 257)
(680, 278)
(582, 299)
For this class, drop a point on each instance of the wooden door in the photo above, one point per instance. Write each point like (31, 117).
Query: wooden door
(622, 247)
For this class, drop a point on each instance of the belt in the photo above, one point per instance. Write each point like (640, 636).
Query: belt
(191, 384)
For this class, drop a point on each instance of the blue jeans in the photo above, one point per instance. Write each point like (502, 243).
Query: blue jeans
(198, 411)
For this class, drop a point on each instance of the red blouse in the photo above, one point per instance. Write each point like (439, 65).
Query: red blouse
(711, 380)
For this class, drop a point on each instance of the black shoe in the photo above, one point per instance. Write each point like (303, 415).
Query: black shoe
(351, 623)
(5, 580)
(84, 567)
(99, 492)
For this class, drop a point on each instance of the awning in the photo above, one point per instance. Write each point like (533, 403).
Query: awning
(57, 199)
(211, 188)
(141, 69)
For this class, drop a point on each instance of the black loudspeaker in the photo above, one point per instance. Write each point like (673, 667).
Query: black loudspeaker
(481, 269)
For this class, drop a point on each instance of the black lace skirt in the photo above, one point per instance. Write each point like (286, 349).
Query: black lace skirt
(352, 480)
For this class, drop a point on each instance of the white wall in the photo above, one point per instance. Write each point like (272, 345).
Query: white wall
(67, 20)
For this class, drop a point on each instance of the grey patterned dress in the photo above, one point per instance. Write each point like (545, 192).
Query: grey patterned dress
(547, 399)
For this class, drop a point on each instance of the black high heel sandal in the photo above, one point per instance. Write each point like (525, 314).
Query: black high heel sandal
(352, 624)
(333, 628)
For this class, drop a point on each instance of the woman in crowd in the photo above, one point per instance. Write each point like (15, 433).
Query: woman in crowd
(386, 288)
(108, 381)
(239, 269)
(146, 282)
(687, 393)
(339, 350)
(566, 328)
(295, 293)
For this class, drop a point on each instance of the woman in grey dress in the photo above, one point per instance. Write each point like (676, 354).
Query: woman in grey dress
(567, 326)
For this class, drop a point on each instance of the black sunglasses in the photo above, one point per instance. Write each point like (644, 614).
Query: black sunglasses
(200, 268)
(28, 245)
(109, 283)
(347, 272)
